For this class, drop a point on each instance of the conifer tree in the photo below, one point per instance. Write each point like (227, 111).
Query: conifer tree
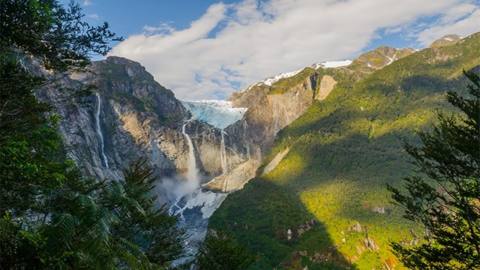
(445, 196)
(51, 217)
(220, 252)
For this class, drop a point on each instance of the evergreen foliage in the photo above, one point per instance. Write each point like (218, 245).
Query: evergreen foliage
(445, 197)
(50, 216)
(220, 252)
(55, 35)
(343, 152)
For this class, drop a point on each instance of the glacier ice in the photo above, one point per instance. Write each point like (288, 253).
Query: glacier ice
(218, 113)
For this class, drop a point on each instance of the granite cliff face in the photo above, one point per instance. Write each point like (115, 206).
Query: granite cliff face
(114, 113)
(269, 112)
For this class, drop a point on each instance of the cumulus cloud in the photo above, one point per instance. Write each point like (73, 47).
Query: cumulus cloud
(232, 46)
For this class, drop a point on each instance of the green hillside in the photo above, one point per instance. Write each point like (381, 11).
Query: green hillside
(330, 189)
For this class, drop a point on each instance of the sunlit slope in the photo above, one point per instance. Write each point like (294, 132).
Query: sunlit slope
(343, 152)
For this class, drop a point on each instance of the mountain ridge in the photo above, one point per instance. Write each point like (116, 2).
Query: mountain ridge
(116, 112)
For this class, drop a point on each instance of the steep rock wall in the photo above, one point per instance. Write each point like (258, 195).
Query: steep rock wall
(138, 118)
(268, 112)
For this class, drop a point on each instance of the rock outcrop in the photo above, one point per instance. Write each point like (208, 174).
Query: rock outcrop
(275, 161)
(379, 58)
(271, 108)
(446, 41)
(235, 179)
(326, 86)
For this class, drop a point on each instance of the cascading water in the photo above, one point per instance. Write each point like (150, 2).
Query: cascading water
(245, 134)
(189, 201)
(276, 119)
(223, 159)
(99, 131)
(192, 170)
(223, 153)
(193, 205)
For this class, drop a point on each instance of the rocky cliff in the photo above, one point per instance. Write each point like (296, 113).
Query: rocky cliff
(114, 113)
(276, 102)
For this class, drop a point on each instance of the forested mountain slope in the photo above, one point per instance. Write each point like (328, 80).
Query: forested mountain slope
(325, 205)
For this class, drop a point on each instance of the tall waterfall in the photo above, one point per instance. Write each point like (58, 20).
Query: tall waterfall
(223, 153)
(245, 134)
(192, 170)
(223, 159)
(99, 130)
(192, 204)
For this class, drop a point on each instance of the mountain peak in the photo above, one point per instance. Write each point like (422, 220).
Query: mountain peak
(381, 57)
(445, 41)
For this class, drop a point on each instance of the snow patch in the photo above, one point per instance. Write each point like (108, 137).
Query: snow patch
(218, 113)
(270, 81)
(391, 59)
(327, 64)
(333, 64)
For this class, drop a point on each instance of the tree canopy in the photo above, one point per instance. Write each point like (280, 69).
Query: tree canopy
(52, 217)
(445, 194)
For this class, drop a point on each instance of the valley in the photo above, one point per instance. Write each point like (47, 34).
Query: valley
(239, 135)
(320, 145)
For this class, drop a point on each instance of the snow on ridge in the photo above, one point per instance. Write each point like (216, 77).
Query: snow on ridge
(218, 113)
(333, 64)
(270, 81)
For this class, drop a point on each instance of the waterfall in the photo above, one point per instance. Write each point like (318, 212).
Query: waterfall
(192, 204)
(99, 131)
(223, 153)
(245, 135)
(223, 159)
(192, 170)
(276, 119)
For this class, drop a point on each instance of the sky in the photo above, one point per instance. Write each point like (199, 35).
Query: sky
(207, 49)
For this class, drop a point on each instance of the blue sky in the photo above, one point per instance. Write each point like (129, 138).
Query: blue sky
(205, 49)
(127, 17)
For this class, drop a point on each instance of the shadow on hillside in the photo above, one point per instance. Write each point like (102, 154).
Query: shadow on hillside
(329, 152)
(274, 224)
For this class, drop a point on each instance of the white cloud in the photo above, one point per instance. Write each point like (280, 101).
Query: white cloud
(232, 46)
(460, 24)
(163, 29)
(87, 2)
